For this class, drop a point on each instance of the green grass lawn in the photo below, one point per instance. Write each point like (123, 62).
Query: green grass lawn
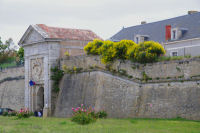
(63, 125)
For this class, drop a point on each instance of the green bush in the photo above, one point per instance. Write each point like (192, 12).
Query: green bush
(83, 118)
(93, 47)
(82, 115)
(5, 113)
(170, 58)
(12, 113)
(24, 113)
(146, 52)
(102, 114)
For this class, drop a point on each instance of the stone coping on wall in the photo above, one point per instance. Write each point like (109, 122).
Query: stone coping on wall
(138, 81)
(11, 78)
(12, 72)
(166, 71)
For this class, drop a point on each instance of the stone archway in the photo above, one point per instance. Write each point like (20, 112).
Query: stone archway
(40, 98)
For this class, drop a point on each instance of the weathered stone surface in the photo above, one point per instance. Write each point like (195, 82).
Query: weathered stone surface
(160, 71)
(12, 88)
(172, 91)
(123, 98)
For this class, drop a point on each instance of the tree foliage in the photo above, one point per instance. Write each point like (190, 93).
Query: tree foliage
(20, 54)
(3, 53)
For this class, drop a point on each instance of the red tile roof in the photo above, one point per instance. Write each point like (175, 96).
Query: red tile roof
(71, 34)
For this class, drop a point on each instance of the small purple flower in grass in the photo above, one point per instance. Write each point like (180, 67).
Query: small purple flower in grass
(81, 105)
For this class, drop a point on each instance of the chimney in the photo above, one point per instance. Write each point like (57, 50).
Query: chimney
(191, 12)
(167, 32)
(143, 22)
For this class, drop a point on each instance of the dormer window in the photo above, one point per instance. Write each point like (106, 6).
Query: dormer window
(141, 38)
(137, 40)
(177, 33)
(145, 38)
(174, 34)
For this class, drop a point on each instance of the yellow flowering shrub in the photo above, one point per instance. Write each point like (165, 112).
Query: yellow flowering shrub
(131, 51)
(67, 53)
(122, 47)
(146, 52)
(107, 52)
(93, 47)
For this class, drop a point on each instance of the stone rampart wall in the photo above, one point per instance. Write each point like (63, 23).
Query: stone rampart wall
(180, 70)
(12, 88)
(173, 91)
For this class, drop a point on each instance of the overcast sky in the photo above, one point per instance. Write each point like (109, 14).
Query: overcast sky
(104, 17)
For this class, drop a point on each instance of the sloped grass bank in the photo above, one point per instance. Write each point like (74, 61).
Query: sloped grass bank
(63, 125)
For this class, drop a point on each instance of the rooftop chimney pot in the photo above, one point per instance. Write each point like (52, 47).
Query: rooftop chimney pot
(192, 11)
(143, 22)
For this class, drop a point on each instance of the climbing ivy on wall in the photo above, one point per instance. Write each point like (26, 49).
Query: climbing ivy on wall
(56, 76)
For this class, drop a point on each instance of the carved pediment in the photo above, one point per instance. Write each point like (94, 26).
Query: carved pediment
(32, 37)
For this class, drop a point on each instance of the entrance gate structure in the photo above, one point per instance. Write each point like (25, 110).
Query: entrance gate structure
(43, 48)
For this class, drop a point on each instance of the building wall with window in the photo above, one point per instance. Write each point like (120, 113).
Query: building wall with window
(179, 35)
(183, 48)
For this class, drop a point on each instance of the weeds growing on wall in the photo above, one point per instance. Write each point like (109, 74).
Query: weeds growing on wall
(145, 52)
(56, 76)
(71, 70)
(67, 53)
(145, 77)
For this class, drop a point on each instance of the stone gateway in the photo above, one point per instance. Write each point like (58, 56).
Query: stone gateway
(44, 46)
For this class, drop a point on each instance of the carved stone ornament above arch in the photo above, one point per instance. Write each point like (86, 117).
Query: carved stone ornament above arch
(37, 69)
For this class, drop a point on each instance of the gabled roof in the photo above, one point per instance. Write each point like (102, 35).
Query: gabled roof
(59, 34)
(67, 33)
(156, 30)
